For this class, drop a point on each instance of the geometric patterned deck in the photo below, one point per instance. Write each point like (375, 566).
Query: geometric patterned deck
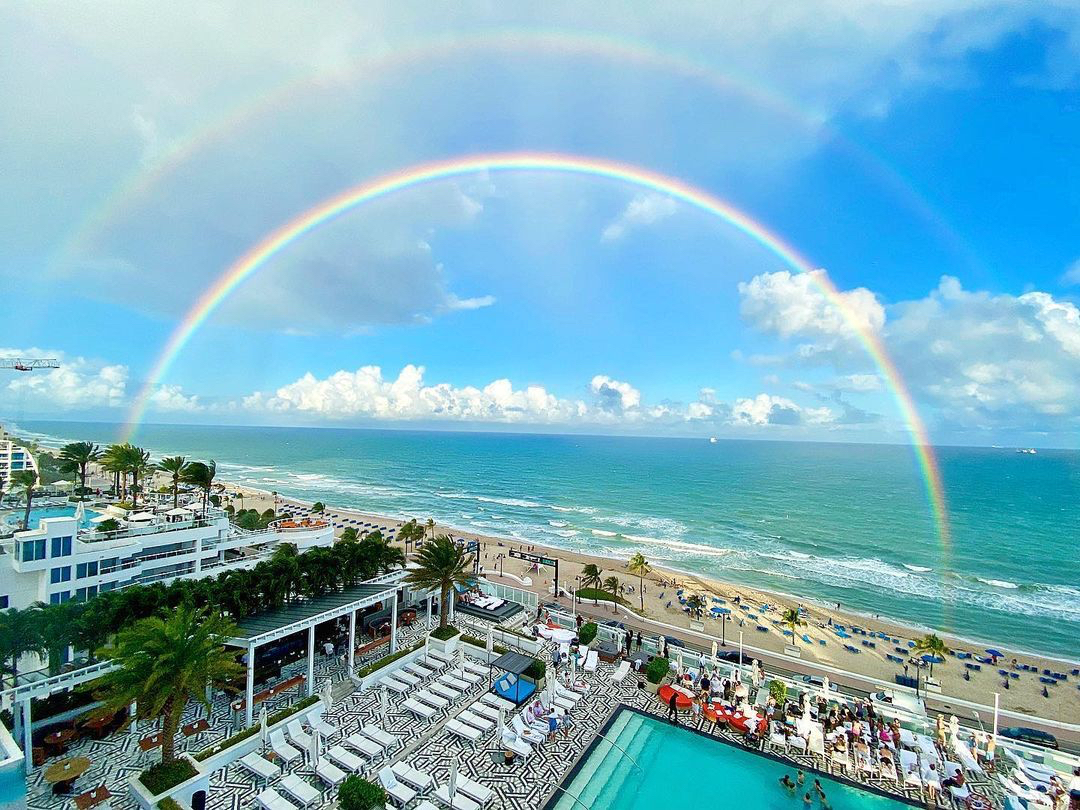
(526, 785)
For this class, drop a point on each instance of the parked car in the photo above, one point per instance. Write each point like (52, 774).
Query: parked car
(1030, 735)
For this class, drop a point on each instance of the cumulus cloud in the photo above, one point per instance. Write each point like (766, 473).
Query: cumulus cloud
(641, 211)
(1071, 276)
(768, 409)
(80, 382)
(172, 399)
(794, 305)
(614, 394)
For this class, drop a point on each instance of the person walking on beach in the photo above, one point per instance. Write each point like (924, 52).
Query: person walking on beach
(673, 707)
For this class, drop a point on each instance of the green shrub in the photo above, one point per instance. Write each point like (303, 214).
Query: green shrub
(166, 775)
(168, 803)
(498, 649)
(657, 669)
(360, 794)
(587, 633)
(597, 595)
(445, 633)
(389, 659)
(108, 525)
(536, 669)
(251, 731)
(778, 690)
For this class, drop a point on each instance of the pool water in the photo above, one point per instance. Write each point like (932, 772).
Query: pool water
(678, 766)
(14, 518)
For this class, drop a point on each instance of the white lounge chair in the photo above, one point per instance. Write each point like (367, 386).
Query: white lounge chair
(260, 766)
(394, 685)
(481, 794)
(476, 669)
(365, 745)
(514, 743)
(491, 699)
(297, 736)
(621, 671)
(419, 709)
(530, 735)
(476, 721)
(462, 730)
(909, 764)
(346, 759)
(454, 682)
(484, 710)
(299, 789)
(419, 670)
(329, 772)
(592, 661)
(432, 699)
(426, 805)
(399, 793)
(441, 689)
(327, 730)
(278, 745)
(414, 777)
(379, 735)
(461, 801)
(270, 799)
(464, 675)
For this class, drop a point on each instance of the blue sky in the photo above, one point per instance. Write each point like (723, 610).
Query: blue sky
(924, 157)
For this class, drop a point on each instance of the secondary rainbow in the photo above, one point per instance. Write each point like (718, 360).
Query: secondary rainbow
(278, 240)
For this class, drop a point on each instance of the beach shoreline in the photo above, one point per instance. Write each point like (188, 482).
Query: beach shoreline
(1023, 695)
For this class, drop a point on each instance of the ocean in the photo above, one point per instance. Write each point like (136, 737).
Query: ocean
(843, 523)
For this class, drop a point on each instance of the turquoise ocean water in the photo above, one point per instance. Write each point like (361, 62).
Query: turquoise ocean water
(650, 763)
(830, 522)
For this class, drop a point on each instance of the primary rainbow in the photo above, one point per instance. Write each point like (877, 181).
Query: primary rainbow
(278, 240)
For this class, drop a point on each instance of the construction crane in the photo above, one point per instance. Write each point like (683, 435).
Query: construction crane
(19, 364)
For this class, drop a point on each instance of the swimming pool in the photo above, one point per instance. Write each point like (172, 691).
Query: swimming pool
(679, 766)
(14, 518)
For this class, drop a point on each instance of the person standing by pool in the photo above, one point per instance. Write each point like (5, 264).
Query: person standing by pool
(673, 707)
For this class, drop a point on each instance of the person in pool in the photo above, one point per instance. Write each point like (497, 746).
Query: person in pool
(806, 803)
(787, 784)
(800, 777)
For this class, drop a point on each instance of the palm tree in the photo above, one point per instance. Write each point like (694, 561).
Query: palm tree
(25, 480)
(139, 466)
(638, 565)
(430, 527)
(20, 634)
(696, 603)
(349, 534)
(167, 662)
(591, 578)
(112, 460)
(174, 466)
(201, 474)
(931, 644)
(611, 585)
(58, 628)
(441, 564)
(794, 620)
(76, 456)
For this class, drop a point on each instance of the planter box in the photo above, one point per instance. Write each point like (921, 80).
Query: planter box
(448, 647)
(182, 792)
(792, 652)
(651, 687)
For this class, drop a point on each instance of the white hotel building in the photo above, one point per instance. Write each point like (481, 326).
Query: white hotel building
(66, 558)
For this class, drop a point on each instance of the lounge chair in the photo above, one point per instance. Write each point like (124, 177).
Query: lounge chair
(421, 710)
(463, 730)
(482, 794)
(261, 767)
(461, 801)
(379, 735)
(570, 695)
(621, 671)
(365, 745)
(431, 699)
(476, 721)
(959, 794)
(286, 752)
(297, 736)
(346, 759)
(466, 676)
(329, 772)
(592, 660)
(530, 735)
(406, 677)
(270, 799)
(399, 793)
(426, 805)
(327, 730)
(394, 685)
(484, 710)
(492, 699)
(514, 743)
(441, 689)
(454, 682)
(909, 764)
(422, 781)
(476, 669)
(419, 670)
(300, 790)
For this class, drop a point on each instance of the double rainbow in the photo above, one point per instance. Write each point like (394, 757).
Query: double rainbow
(274, 243)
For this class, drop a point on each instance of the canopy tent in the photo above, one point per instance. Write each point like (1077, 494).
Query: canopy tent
(511, 685)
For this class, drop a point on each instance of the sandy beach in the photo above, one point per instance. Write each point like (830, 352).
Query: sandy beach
(1025, 694)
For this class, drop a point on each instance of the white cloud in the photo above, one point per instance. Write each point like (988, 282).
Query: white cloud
(858, 383)
(614, 393)
(1071, 276)
(642, 210)
(767, 409)
(79, 383)
(794, 305)
(171, 398)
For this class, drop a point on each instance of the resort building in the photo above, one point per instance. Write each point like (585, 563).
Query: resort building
(13, 458)
(83, 553)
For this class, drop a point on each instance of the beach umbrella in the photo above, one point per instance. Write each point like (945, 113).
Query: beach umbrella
(954, 728)
(991, 652)
(502, 724)
(327, 695)
(384, 703)
(454, 766)
(461, 655)
(932, 659)
(490, 644)
(262, 725)
(80, 514)
(825, 687)
(313, 747)
(573, 670)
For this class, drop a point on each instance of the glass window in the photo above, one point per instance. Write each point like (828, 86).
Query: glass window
(33, 550)
(59, 598)
(61, 546)
(89, 569)
(61, 574)
(5, 601)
